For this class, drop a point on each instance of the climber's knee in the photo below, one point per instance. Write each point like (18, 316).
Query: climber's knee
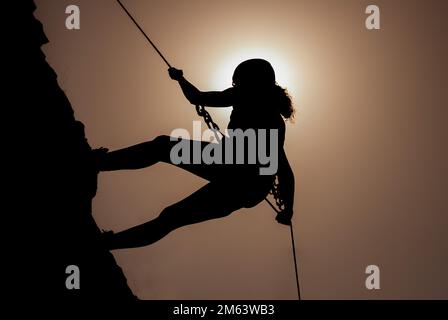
(162, 138)
(168, 213)
(162, 146)
(172, 218)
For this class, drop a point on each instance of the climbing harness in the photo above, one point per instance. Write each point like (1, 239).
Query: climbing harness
(202, 112)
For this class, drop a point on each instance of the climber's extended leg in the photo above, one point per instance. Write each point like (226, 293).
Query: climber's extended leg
(138, 156)
(149, 153)
(210, 202)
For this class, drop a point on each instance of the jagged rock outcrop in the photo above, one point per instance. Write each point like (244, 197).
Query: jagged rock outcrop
(55, 183)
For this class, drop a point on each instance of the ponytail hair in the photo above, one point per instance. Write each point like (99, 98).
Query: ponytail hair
(283, 103)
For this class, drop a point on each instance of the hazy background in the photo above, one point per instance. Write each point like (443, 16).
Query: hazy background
(368, 147)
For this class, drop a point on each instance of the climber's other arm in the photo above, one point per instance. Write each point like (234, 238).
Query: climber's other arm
(287, 185)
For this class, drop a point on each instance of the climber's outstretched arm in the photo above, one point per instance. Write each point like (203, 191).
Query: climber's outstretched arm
(217, 99)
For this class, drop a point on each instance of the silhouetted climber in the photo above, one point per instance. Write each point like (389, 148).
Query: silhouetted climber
(258, 103)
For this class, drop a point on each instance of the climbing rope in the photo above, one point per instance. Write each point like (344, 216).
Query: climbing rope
(143, 32)
(202, 112)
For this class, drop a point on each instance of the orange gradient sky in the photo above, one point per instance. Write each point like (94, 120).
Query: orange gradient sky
(368, 146)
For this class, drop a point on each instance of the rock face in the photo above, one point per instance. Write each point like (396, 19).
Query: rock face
(55, 184)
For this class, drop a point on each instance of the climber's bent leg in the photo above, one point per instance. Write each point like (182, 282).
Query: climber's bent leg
(205, 204)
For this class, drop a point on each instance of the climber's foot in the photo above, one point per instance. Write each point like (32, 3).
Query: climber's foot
(98, 156)
(106, 238)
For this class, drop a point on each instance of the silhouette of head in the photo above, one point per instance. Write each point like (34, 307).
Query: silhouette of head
(254, 73)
